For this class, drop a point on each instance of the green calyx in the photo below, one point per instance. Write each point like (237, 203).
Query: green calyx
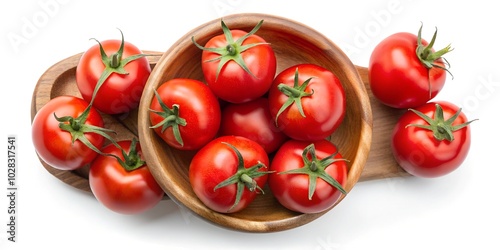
(113, 64)
(442, 129)
(315, 168)
(77, 128)
(294, 94)
(244, 177)
(233, 49)
(171, 118)
(132, 159)
(428, 58)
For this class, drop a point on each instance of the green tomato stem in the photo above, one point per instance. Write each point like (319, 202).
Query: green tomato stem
(244, 177)
(77, 128)
(132, 160)
(428, 58)
(113, 64)
(115, 60)
(315, 168)
(171, 118)
(232, 50)
(442, 129)
(295, 95)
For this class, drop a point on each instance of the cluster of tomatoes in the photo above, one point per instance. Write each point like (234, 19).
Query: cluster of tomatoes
(251, 126)
(68, 132)
(430, 139)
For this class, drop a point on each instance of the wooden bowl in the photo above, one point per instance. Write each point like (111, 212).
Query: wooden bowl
(293, 43)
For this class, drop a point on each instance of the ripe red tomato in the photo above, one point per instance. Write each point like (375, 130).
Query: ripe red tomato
(185, 113)
(431, 140)
(122, 89)
(405, 72)
(127, 187)
(238, 66)
(54, 144)
(307, 101)
(228, 173)
(308, 177)
(254, 121)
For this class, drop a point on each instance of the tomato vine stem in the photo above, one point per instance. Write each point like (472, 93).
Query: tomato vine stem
(428, 57)
(244, 177)
(171, 118)
(113, 64)
(315, 168)
(442, 129)
(232, 50)
(295, 94)
(77, 128)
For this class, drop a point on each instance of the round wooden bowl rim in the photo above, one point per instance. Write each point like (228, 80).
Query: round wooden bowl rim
(237, 20)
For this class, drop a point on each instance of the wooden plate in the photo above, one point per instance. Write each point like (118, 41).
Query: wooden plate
(60, 80)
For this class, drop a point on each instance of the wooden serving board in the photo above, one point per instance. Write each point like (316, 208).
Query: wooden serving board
(60, 80)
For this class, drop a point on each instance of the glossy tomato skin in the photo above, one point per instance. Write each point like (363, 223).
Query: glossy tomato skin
(324, 110)
(419, 153)
(120, 93)
(122, 191)
(197, 105)
(234, 84)
(216, 162)
(398, 78)
(252, 120)
(54, 145)
(291, 190)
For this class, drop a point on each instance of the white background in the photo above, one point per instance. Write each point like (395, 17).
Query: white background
(460, 210)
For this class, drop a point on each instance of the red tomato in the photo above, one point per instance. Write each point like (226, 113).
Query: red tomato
(307, 101)
(126, 191)
(54, 145)
(188, 115)
(228, 172)
(253, 121)
(300, 167)
(238, 66)
(122, 89)
(432, 140)
(405, 71)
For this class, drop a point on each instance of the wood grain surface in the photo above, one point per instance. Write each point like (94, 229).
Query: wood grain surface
(293, 43)
(363, 137)
(60, 80)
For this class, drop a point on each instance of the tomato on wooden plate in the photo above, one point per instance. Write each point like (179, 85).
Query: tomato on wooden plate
(121, 180)
(405, 71)
(111, 75)
(67, 133)
(432, 140)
